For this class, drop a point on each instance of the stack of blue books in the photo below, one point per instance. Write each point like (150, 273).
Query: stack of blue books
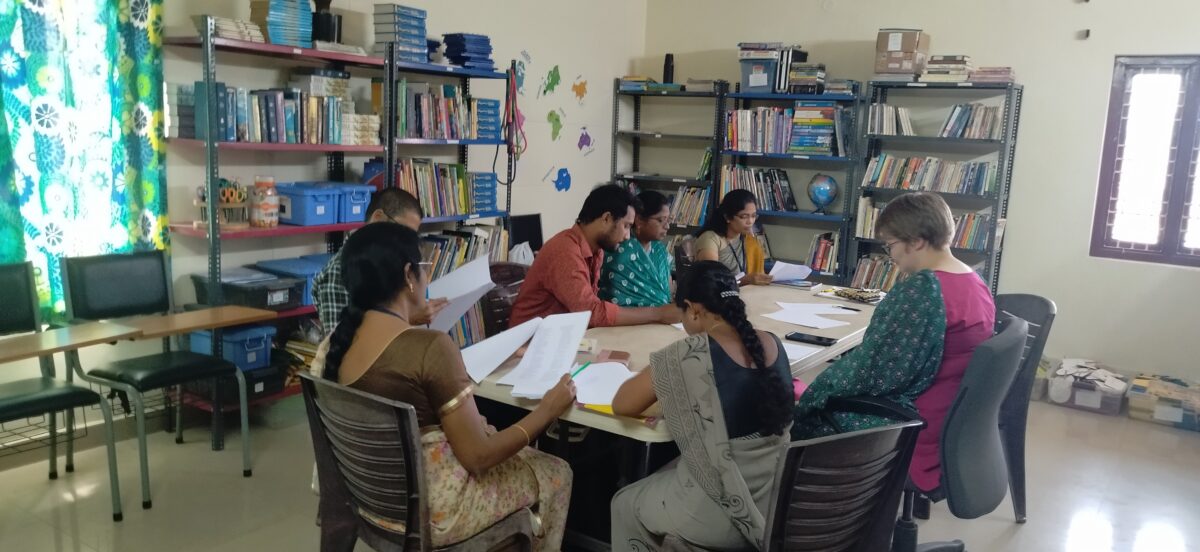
(406, 27)
(287, 22)
(470, 50)
(487, 119)
(483, 192)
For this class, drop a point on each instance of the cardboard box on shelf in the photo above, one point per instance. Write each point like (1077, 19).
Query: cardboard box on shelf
(900, 62)
(902, 40)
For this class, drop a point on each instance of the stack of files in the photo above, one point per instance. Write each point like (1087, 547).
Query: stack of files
(180, 111)
(404, 26)
(483, 192)
(759, 129)
(236, 29)
(930, 174)
(434, 111)
(823, 253)
(635, 83)
(993, 74)
(805, 78)
(817, 129)
(876, 272)
(971, 231)
(893, 77)
(889, 120)
(288, 22)
(841, 86)
(974, 120)
(689, 206)
(451, 249)
(947, 69)
(321, 82)
(472, 51)
(360, 129)
(485, 119)
(769, 186)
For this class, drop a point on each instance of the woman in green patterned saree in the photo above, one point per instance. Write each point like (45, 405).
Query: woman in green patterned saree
(638, 273)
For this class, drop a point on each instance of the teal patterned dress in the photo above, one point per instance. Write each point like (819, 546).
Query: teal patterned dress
(898, 359)
(633, 277)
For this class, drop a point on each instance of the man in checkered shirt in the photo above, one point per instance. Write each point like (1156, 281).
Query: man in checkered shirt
(330, 295)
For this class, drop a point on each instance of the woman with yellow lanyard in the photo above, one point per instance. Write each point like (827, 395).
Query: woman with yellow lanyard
(728, 238)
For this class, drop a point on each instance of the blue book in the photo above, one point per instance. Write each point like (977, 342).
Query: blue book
(230, 115)
(401, 27)
(415, 41)
(397, 9)
(289, 121)
(272, 117)
(202, 127)
(243, 115)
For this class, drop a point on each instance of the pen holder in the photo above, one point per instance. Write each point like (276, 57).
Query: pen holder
(231, 216)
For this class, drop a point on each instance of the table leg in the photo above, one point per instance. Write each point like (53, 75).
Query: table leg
(218, 420)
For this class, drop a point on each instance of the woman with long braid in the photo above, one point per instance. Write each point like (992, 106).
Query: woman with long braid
(726, 396)
(476, 476)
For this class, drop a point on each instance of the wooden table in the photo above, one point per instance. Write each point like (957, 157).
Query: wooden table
(640, 341)
(63, 339)
(168, 325)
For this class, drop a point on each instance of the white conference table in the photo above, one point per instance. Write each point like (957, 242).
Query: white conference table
(641, 341)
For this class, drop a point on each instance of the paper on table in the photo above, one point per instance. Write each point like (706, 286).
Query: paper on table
(816, 308)
(549, 356)
(599, 382)
(484, 357)
(678, 326)
(789, 271)
(797, 352)
(463, 288)
(802, 318)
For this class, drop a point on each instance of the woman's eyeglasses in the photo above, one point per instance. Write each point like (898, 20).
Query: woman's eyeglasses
(887, 246)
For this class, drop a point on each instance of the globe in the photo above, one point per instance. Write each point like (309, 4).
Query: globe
(822, 190)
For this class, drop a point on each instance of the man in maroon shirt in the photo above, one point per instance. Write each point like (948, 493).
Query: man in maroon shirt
(566, 274)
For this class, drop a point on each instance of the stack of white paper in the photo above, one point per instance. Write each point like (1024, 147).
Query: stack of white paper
(481, 359)
(550, 355)
(809, 315)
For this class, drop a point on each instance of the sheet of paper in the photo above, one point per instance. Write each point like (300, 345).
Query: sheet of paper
(808, 320)
(817, 308)
(484, 357)
(550, 355)
(599, 382)
(678, 326)
(789, 271)
(463, 288)
(797, 352)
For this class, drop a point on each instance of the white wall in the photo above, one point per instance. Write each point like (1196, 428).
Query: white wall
(1135, 316)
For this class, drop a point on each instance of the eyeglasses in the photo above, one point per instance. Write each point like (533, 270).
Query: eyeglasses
(746, 216)
(887, 246)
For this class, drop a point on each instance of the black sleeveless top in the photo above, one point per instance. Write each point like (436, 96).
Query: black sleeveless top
(735, 388)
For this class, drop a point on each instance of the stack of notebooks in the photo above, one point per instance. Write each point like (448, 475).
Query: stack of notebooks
(823, 253)
(974, 121)
(689, 206)
(930, 174)
(841, 86)
(321, 82)
(236, 29)
(971, 231)
(817, 129)
(445, 189)
(483, 192)
(759, 129)
(947, 69)
(876, 272)
(278, 115)
(180, 111)
(360, 129)
(993, 74)
(635, 83)
(485, 119)
(769, 186)
(288, 22)
(471, 51)
(806, 78)
(406, 27)
(889, 120)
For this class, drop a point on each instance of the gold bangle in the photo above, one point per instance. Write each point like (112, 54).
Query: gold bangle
(528, 440)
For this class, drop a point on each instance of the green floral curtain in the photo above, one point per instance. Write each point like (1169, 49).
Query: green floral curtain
(81, 145)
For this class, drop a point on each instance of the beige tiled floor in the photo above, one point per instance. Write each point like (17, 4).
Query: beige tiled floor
(1097, 484)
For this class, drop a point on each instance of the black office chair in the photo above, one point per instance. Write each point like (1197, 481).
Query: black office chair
(498, 302)
(1039, 312)
(30, 397)
(133, 284)
(372, 480)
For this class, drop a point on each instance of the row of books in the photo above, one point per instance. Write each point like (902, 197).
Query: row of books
(868, 213)
(689, 206)
(287, 22)
(450, 249)
(760, 129)
(405, 26)
(285, 116)
(889, 120)
(444, 112)
(971, 231)
(823, 253)
(876, 272)
(931, 174)
(973, 120)
(446, 189)
(770, 186)
(469, 330)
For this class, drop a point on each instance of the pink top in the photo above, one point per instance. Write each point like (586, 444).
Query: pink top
(970, 318)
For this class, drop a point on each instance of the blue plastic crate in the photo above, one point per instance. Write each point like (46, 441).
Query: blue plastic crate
(303, 269)
(249, 347)
(355, 199)
(304, 205)
(758, 75)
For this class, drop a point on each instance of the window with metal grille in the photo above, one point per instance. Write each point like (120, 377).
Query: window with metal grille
(1147, 208)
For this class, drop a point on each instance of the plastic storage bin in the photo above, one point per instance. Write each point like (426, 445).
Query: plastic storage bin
(296, 268)
(758, 75)
(259, 383)
(273, 293)
(1087, 385)
(248, 347)
(355, 199)
(308, 205)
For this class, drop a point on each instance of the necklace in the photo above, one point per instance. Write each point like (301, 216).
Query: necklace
(714, 326)
(391, 312)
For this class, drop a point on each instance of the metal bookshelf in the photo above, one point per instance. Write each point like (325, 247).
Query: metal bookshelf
(1004, 149)
(848, 163)
(637, 136)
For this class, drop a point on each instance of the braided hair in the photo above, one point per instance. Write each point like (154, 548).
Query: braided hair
(375, 262)
(711, 284)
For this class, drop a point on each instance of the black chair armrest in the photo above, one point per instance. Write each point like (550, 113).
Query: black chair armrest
(874, 406)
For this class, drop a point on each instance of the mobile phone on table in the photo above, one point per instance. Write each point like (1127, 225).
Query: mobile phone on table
(811, 339)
